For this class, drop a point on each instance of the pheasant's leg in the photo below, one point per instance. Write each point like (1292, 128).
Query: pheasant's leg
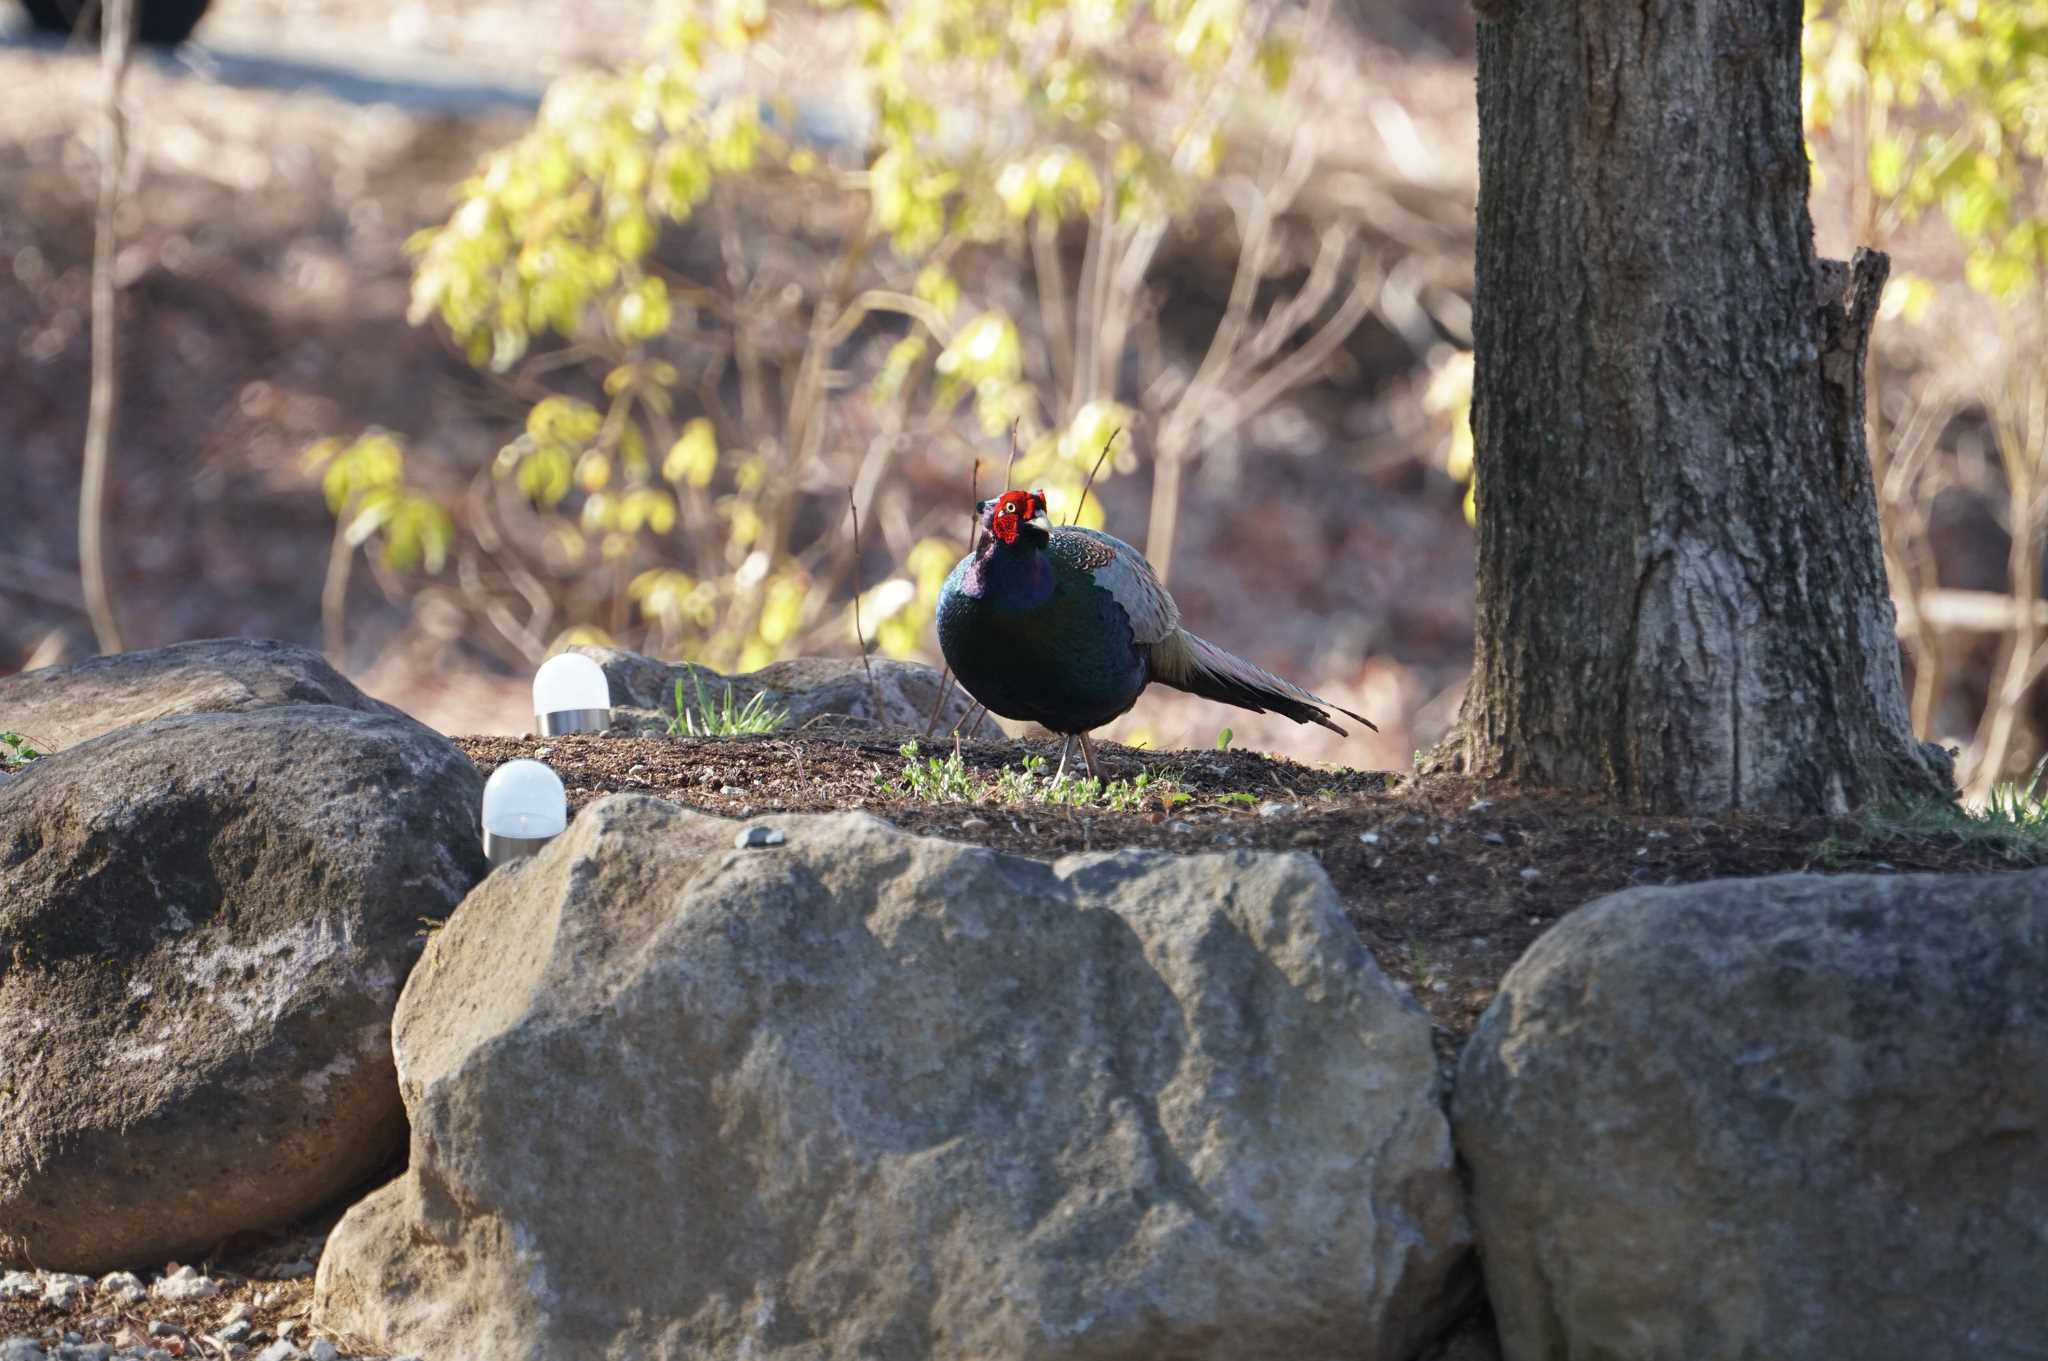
(1065, 747)
(968, 721)
(1088, 755)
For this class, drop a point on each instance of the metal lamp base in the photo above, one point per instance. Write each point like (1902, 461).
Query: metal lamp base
(573, 720)
(499, 850)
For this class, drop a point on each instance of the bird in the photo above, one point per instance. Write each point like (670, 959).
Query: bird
(1065, 627)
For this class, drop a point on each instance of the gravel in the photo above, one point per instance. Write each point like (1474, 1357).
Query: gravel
(179, 1314)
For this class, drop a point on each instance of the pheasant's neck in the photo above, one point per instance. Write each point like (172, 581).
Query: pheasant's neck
(1014, 576)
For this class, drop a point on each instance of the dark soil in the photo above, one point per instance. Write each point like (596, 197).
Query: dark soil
(1447, 882)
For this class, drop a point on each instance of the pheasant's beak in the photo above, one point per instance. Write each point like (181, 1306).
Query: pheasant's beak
(1038, 520)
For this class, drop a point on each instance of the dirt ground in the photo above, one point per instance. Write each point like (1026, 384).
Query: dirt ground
(1446, 883)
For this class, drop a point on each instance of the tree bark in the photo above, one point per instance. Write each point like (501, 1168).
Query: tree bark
(1682, 600)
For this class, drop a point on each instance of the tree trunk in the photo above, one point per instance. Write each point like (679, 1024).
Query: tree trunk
(1682, 602)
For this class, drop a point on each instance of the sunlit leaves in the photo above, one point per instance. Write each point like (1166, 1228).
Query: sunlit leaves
(693, 458)
(986, 358)
(988, 123)
(1449, 397)
(1057, 182)
(364, 484)
(1907, 297)
(1984, 65)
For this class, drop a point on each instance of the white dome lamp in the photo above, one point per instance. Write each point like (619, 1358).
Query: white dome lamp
(525, 807)
(570, 694)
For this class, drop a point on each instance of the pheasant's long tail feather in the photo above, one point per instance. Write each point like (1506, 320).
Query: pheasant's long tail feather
(1188, 663)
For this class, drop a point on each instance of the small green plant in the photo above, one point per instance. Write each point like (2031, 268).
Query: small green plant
(1240, 798)
(2021, 807)
(16, 751)
(726, 719)
(1223, 739)
(932, 780)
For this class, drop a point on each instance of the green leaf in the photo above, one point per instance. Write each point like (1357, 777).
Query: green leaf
(693, 458)
(1888, 163)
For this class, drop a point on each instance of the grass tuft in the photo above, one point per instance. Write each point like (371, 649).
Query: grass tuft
(2013, 823)
(724, 719)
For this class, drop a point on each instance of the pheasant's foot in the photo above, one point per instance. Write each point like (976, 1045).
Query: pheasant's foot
(1088, 755)
(1065, 747)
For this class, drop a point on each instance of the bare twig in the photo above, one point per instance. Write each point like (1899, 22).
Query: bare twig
(334, 592)
(874, 694)
(973, 528)
(117, 20)
(1106, 446)
(1012, 460)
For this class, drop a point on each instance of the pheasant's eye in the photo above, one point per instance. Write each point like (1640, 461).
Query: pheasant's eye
(1010, 508)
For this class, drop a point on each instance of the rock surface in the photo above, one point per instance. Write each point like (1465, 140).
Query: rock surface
(869, 1094)
(204, 924)
(833, 690)
(1797, 1117)
(61, 706)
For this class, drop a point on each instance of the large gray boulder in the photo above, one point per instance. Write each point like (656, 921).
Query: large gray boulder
(61, 706)
(204, 924)
(814, 691)
(1798, 1117)
(860, 1093)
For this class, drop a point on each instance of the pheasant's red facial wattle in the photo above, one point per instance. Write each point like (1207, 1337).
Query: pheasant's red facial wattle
(1008, 513)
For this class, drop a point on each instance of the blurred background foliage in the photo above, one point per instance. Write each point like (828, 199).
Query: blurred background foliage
(690, 273)
(695, 423)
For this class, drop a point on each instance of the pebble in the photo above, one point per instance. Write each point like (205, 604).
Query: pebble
(1432, 840)
(62, 1290)
(1431, 879)
(323, 1350)
(542, 753)
(280, 1350)
(237, 1331)
(21, 1348)
(1179, 826)
(123, 1287)
(1532, 873)
(751, 838)
(1369, 838)
(161, 1329)
(186, 1284)
(1495, 839)
(20, 1285)
(1274, 808)
(731, 791)
(1480, 805)
(1307, 837)
(91, 1351)
(291, 1271)
(973, 824)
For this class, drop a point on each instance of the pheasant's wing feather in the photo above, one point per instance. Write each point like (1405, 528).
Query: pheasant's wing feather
(1121, 570)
